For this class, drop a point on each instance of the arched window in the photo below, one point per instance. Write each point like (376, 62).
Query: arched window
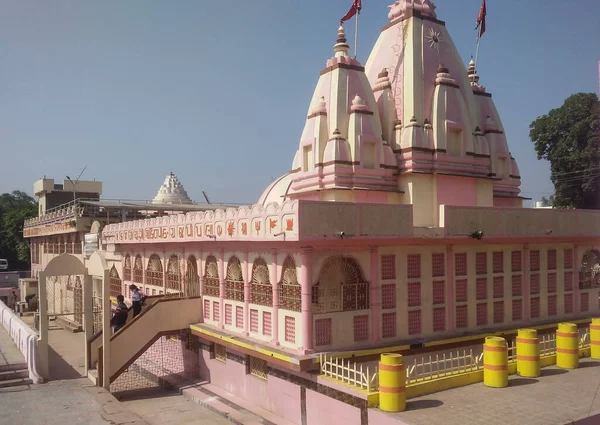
(341, 287)
(261, 291)
(127, 268)
(234, 281)
(192, 281)
(289, 289)
(154, 271)
(589, 270)
(173, 274)
(211, 277)
(115, 282)
(138, 270)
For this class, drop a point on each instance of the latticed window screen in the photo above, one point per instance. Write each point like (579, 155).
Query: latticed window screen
(211, 277)
(438, 265)
(258, 368)
(534, 282)
(517, 310)
(388, 267)
(552, 283)
(413, 269)
(498, 261)
(552, 305)
(192, 279)
(388, 296)
(414, 322)
(220, 352)
(589, 270)
(568, 303)
(154, 271)
(228, 314)
(517, 285)
(439, 296)
(498, 287)
(261, 291)
(535, 307)
(234, 281)
(499, 312)
(481, 263)
(361, 328)
(341, 286)
(138, 270)
(290, 329)
(239, 317)
(460, 264)
(516, 262)
(253, 320)
(266, 323)
(534, 260)
(551, 259)
(127, 268)
(173, 274)
(115, 282)
(439, 319)
(414, 294)
(290, 292)
(568, 260)
(461, 291)
(568, 281)
(388, 321)
(481, 288)
(323, 332)
(482, 314)
(216, 310)
(207, 309)
(462, 318)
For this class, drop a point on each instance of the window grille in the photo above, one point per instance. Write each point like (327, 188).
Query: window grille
(234, 281)
(261, 291)
(290, 294)
(258, 368)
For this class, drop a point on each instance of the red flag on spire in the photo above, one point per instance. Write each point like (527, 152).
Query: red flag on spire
(354, 9)
(481, 19)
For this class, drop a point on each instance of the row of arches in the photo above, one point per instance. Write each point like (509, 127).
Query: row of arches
(341, 285)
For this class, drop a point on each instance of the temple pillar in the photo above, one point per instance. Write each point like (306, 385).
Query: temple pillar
(165, 261)
(578, 252)
(306, 298)
(144, 276)
(247, 276)
(451, 325)
(221, 264)
(275, 292)
(182, 269)
(375, 296)
(200, 273)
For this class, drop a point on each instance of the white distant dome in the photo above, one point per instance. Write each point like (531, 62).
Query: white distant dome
(172, 192)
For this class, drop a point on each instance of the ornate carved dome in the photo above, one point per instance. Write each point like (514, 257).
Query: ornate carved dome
(172, 192)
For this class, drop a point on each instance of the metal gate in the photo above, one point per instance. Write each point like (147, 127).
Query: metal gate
(65, 297)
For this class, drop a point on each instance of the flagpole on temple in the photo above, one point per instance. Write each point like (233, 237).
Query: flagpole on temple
(356, 35)
(477, 48)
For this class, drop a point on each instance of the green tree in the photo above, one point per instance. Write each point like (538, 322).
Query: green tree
(548, 202)
(569, 138)
(15, 208)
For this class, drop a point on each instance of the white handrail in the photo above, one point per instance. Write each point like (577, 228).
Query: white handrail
(25, 338)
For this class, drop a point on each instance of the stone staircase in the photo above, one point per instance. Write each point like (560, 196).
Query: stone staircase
(14, 375)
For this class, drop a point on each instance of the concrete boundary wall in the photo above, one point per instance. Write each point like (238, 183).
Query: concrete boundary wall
(25, 338)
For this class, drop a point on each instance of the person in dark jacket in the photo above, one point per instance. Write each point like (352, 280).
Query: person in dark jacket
(120, 315)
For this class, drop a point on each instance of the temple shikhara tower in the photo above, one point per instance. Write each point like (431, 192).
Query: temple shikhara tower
(399, 223)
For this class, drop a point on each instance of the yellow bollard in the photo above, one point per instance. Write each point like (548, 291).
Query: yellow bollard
(495, 362)
(567, 346)
(528, 353)
(392, 380)
(595, 339)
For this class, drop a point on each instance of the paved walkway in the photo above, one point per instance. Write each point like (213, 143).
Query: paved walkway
(69, 398)
(558, 397)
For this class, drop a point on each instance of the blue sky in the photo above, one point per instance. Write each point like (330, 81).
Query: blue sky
(217, 91)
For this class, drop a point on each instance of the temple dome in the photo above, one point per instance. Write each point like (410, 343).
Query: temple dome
(172, 192)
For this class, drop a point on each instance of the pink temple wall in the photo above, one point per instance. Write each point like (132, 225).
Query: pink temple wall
(275, 395)
(459, 191)
(321, 410)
